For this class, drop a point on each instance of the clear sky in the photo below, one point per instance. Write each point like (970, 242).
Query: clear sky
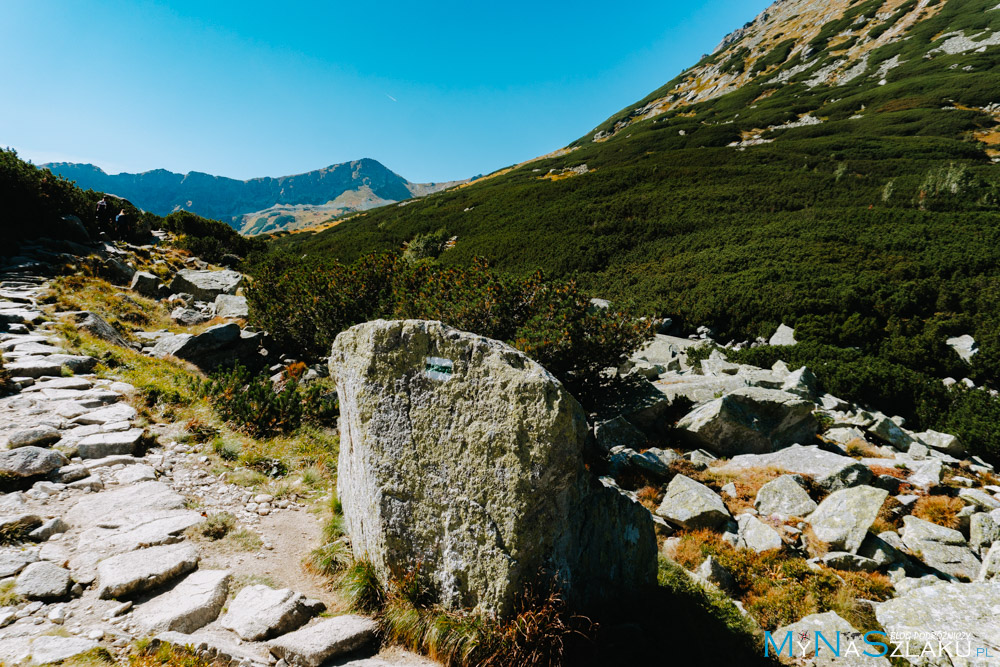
(434, 90)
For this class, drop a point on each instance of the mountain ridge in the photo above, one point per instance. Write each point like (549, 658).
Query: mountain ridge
(257, 205)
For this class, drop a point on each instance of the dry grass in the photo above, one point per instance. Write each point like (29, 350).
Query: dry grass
(863, 449)
(777, 588)
(889, 517)
(650, 497)
(941, 510)
(747, 483)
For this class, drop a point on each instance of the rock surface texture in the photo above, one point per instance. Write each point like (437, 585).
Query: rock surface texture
(460, 453)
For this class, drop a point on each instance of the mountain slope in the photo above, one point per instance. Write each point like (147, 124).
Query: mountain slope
(862, 209)
(257, 205)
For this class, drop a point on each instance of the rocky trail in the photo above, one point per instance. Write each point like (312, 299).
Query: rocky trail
(108, 559)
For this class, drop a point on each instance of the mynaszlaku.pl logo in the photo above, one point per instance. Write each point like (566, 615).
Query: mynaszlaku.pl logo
(878, 644)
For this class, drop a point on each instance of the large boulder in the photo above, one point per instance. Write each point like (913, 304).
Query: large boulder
(830, 471)
(206, 285)
(147, 285)
(232, 307)
(843, 518)
(751, 420)
(785, 335)
(317, 644)
(98, 327)
(27, 462)
(220, 345)
(259, 612)
(691, 504)
(964, 616)
(785, 497)
(463, 457)
(940, 548)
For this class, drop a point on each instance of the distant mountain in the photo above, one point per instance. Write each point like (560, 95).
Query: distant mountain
(258, 205)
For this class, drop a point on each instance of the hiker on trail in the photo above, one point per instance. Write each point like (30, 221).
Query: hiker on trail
(103, 216)
(121, 220)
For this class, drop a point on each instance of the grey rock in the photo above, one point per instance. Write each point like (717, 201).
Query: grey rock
(39, 436)
(983, 531)
(232, 307)
(192, 604)
(991, 564)
(13, 561)
(48, 529)
(691, 504)
(843, 518)
(27, 462)
(107, 444)
(964, 346)
(144, 497)
(926, 474)
(940, 548)
(801, 383)
(785, 335)
(886, 430)
(979, 498)
(783, 496)
(118, 412)
(654, 461)
(829, 624)
(43, 581)
(943, 442)
(618, 432)
(34, 368)
(98, 327)
(842, 560)
(219, 345)
(206, 285)
(844, 435)
(314, 645)
(751, 420)
(52, 649)
(830, 471)
(449, 437)
(189, 316)
(146, 569)
(884, 552)
(756, 535)
(945, 610)
(135, 473)
(136, 530)
(147, 285)
(259, 612)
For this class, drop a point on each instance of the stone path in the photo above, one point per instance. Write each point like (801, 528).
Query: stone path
(107, 505)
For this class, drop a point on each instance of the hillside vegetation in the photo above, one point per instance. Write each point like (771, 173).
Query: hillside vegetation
(863, 212)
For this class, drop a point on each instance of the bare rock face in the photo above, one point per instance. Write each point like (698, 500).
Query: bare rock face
(462, 455)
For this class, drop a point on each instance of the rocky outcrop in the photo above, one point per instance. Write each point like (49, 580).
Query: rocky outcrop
(462, 455)
(217, 346)
(206, 285)
(830, 471)
(691, 504)
(751, 420)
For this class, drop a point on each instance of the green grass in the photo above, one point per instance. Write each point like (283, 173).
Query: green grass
(244, 540)
(8, 598)
(215, 527)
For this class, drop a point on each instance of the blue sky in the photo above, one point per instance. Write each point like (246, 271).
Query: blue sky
(435, 91)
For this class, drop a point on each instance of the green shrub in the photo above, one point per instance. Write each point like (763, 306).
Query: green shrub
(209, 239)
(215, 527)
(253, 405)
(310, 301)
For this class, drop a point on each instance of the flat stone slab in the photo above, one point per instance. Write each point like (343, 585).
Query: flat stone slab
(831, 471)
(43, 581)
(143, 497)
(143, 570)
(137, 530)
(330, 638)
(39, 436)
(119, 412)
(100, 445)
(192, 604)
(49, 649)
(34, 368)
(13, 561)
(135, 473)
(946, 610)
(26, 462)
(260, 612)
